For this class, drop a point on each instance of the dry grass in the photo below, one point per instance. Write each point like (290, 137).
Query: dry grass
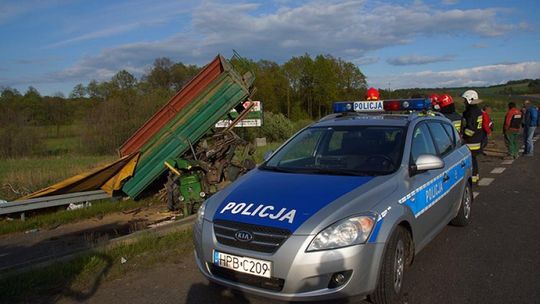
(25, 175)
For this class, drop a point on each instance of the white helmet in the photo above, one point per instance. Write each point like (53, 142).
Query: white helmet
(471, 97)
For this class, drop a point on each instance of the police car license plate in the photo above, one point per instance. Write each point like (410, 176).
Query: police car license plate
(252, 266)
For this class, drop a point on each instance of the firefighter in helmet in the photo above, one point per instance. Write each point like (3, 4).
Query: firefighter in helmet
(447, 108)
(472, 128)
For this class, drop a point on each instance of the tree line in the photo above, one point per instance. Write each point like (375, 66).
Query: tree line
(303, 87)
(107, 112)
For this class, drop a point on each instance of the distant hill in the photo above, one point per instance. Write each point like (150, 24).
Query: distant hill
(496, 95)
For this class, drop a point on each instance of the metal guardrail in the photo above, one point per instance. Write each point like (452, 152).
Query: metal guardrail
(52, 201)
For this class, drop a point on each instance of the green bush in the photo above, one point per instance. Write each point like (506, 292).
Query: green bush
(276, 127)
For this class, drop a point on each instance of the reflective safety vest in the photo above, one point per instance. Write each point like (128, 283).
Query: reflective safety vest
(456, 120)
(472, 127)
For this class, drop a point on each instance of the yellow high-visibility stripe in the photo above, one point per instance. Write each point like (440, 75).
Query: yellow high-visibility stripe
(469, 132)
(474, 146)
(457, 125)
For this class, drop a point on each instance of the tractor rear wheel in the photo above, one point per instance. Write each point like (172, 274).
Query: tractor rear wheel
(172, 189)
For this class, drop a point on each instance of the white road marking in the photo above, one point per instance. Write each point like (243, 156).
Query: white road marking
(485, 181)
(475, 194)
(507, 162)
(498, 170)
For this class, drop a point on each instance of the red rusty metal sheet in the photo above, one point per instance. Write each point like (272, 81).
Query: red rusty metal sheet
(187, 94)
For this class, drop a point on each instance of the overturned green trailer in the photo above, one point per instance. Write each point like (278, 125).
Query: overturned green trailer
(228, 91)
(172, 134)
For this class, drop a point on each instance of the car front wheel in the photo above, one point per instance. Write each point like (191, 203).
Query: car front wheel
(392, 272)
(463, 218)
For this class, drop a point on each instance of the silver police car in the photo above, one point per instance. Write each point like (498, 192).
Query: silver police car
(340, 209)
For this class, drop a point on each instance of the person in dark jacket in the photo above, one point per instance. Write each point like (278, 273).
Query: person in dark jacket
(530, 122)
(472, 128)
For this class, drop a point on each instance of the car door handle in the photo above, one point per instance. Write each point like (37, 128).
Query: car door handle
(445, 177)
(462, 164)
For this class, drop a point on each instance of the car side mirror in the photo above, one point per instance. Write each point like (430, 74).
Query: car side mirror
(426, 162)
(267, 154)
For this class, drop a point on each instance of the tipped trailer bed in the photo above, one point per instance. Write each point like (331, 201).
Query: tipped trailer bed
(229, 90)
(171, 132)
(181, 99)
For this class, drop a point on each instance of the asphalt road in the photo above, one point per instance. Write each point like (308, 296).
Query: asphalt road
(496, 259)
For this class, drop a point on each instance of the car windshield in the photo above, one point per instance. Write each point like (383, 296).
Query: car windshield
(341, 150)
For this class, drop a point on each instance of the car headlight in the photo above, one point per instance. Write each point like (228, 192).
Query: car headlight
(347, 232)
(200, 214)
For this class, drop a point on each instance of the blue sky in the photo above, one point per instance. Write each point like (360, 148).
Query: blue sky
(55, 44)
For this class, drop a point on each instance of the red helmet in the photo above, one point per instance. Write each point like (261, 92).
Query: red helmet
(434, 99)
(372, 94)
(445, 100)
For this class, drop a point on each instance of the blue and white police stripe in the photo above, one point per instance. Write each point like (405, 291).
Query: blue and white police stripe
(427, 195)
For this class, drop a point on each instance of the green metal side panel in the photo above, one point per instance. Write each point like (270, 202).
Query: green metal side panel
(197, 117)
(216, 87)
(188, 126)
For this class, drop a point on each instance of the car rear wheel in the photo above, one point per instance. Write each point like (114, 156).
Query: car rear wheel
(390, 284)
(463, 218)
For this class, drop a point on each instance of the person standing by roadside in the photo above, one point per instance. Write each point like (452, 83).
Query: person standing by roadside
(512, 123)
(487, 126)
(472, 128)
(530, 122)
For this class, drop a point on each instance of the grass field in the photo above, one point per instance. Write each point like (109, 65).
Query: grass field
(498, 120)
(21, 176)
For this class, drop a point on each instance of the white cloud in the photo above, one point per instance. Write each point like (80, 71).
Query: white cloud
(106, 32)
(365, 60)
(417, 60)
(475, 76)
(347, 29)
(116, 19)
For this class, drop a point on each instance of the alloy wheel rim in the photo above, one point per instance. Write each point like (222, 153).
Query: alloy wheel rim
(399, 266)
(467, 203)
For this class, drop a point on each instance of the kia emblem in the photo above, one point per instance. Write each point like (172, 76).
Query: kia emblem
(243, 236)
